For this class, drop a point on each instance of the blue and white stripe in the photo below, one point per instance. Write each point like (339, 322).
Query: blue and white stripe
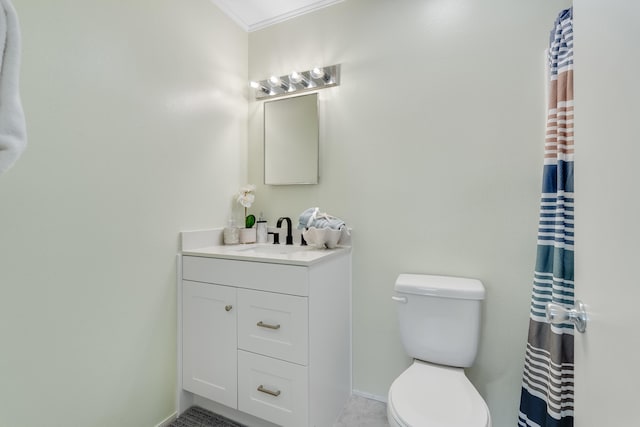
(561, 45)
(556, 225)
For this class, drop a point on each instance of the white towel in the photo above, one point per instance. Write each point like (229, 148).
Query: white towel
(13, 132)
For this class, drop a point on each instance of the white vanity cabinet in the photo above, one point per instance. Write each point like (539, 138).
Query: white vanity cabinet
(269, 339)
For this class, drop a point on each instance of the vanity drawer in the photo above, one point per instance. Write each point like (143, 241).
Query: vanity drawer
(273, 324)
(287, 279)
(274, 390)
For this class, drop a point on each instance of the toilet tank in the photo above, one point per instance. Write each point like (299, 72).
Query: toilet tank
(439, 317)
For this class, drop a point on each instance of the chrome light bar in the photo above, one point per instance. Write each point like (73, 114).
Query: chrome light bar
(297, 82)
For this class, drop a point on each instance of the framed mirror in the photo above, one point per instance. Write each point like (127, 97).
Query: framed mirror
(291, 140)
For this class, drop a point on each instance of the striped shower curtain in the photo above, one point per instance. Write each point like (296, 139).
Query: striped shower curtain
(547, 385)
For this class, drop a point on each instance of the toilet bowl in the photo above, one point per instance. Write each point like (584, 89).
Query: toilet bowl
(439, 322)
(429, 395)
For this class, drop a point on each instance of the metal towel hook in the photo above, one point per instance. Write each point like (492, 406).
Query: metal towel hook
(556, 314)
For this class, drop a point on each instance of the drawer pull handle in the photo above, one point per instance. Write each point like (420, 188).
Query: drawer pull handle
(266, 325)
(267, 391)
(228, 307)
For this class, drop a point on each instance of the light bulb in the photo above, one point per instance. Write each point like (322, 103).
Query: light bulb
(317, 73)
(295, 77)
(257, 85)
(275, 81)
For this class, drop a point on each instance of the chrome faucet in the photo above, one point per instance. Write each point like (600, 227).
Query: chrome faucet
(289, 235)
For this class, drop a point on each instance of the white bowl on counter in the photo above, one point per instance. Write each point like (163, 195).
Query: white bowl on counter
(322, 237)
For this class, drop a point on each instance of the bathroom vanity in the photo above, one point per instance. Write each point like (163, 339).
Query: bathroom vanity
(264, 332)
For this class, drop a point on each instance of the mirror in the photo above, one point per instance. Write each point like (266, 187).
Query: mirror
(291, 140)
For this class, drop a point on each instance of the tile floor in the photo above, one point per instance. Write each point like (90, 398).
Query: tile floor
(358, 412)
(363, 412)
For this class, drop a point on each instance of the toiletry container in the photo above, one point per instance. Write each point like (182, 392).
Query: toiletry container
(231, 233)
(439, 320)
(261, 226)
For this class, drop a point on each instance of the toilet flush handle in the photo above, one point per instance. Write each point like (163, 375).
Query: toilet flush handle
(402, 300)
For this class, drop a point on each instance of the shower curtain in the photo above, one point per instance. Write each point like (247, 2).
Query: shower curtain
(547, 384)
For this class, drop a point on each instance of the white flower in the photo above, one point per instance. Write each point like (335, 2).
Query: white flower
(245, 196)
(249, 188)
(246, 199)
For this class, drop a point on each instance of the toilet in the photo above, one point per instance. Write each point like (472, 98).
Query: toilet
(439, 319)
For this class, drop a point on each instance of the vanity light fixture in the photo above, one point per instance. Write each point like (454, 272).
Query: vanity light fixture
(297, 82)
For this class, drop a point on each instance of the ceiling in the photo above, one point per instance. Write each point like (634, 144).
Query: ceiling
(253, 15)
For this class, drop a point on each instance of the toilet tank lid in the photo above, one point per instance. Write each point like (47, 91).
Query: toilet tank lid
(440, 286)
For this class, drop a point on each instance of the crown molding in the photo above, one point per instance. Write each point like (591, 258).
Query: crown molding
(236, 10)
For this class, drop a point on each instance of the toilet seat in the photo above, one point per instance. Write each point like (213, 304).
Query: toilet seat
(427, 395)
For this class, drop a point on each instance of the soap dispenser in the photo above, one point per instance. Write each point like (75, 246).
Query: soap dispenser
(261, 231)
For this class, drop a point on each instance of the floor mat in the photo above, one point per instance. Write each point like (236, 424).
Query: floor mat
(199, 417)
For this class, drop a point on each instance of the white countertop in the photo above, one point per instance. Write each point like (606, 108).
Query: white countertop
(208, 243)
(267, 252)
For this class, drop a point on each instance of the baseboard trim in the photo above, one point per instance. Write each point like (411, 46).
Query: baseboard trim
(171, 418)
(370, 396)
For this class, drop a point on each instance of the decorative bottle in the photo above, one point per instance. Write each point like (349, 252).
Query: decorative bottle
(261, 226)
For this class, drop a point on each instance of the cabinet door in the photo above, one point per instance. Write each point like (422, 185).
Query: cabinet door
(209, 362)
